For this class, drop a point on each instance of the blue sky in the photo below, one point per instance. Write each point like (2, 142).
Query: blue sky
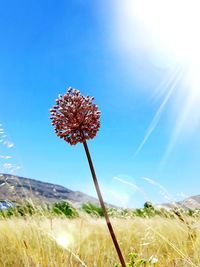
(47, 46)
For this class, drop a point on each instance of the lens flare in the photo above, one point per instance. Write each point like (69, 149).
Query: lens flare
(64, 240)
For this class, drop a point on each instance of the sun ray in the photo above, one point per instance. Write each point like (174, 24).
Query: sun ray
(160, 110)
(167, 32)
(161, 90)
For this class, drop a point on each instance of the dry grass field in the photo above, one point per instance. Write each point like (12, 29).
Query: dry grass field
(85, 241)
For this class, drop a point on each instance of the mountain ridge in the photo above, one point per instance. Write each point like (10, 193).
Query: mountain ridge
(18, 189)
(192, 203)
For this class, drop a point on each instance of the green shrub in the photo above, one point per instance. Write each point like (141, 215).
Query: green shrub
(25, 209)
(148, 205)
(92, 209)
(136, 261)
(64, 208)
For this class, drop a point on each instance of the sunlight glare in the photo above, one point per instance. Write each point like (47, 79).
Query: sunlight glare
(64, 240)
(166, 29)
(174, 26)
(174, 23)
(168, 32)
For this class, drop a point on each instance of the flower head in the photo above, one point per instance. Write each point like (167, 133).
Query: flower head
(75, 117)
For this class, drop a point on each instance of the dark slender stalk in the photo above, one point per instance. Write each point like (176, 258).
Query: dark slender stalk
(103, 206)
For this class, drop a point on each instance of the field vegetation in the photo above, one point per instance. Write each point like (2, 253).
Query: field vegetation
(60, 235)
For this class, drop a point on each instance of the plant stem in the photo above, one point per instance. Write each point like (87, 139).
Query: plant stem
(114, 239)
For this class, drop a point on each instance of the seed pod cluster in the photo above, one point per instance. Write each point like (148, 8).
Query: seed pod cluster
(74, 117)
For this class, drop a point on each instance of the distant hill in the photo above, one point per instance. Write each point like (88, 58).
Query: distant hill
(19, 189)
(188, 203)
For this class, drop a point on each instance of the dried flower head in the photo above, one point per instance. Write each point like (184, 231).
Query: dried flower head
(75, 117)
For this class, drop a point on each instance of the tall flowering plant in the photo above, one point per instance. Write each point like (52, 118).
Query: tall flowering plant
(76, 119)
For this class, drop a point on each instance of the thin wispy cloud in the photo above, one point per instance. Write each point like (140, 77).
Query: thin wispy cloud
(5, 157)
(7, 166)
(11, 168)
(7, 162)
(163, 191)
(122, 199)
(182, 195)
(133, 186)
(8, 144)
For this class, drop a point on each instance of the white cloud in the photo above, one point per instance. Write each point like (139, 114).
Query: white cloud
(7, 166)
(5, 157)
(8, 144)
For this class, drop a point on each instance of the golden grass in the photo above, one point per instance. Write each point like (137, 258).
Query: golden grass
(56, 242)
